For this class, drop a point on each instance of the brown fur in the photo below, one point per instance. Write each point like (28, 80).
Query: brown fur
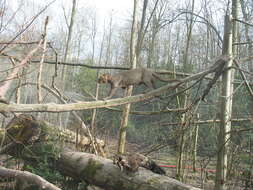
(131, 77)
(130, 162)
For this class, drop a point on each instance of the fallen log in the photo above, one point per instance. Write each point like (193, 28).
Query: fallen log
(36, 142)
(25, 130)
(103, 173)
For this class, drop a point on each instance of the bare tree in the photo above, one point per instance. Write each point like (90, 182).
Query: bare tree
(184, 102)
(226, 110)
(247, 33)
(133, 60)
(70, 31)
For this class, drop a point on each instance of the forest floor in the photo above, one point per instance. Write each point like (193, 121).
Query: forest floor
(203, 179)
(200, 179)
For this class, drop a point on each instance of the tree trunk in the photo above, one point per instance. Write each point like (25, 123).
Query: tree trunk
(181, 145)
(195, 143)
(94, 111)
(235, 39)
(70, 29)
(141, 30)
(63, 118)
(186, 68)
(39, 75)
(133, 58)
(226, 109)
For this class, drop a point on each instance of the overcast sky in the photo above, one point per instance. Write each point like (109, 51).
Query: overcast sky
(121, 9)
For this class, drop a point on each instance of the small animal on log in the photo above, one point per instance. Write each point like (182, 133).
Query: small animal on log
(132, 77)
(132, 162)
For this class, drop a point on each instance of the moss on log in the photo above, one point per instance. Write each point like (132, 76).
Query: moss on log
(37, 142)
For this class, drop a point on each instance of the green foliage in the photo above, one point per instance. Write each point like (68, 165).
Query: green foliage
(207, 140)
(44, 167)
(245, 158)
(132, 131)
(85, 80)
(143, 129)
(110, 125)
(46, 171)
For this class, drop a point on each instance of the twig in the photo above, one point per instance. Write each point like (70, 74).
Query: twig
(21, 43)
(203, 18)
(241, 21)
(82, 65)
(42, 60)
(62, 99)
(167, 110)
(207, 121)
(244, 78)
(29, 24)
(6, 84)
(52, 107)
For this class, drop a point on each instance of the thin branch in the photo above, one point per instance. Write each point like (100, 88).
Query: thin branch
(22, 43)
(6, 84)
(243, 70)
(83, 65)
(168, 110)
(208, 121)
(52, 107)
(242, 43)
(83, 127)
(39, 76)
(203, 18)
(242, 60)
(238, 20)
(56, 64)
(10, 19)
(244, 78)
(29, 24)
(160, 71)
(147, 25)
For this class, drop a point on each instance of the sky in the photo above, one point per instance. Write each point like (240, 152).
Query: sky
(119, 8)
(104, 9)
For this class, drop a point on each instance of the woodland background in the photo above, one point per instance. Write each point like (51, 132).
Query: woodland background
(73, 45)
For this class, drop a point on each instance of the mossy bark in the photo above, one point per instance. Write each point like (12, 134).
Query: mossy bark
(48, 145)
(103, 173)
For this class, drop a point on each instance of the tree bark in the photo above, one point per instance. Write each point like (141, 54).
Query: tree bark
(39, 75)
(133, 58)
(27, 178)
(187, 68)
(226, 110)
(195, 143)
(103, 173)
(70, 29)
